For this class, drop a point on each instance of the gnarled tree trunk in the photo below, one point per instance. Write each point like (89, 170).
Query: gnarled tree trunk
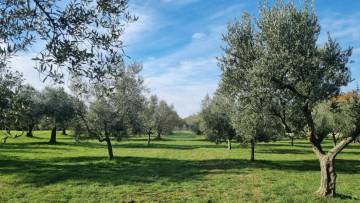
(327, 164)
(252, 156)
(109, 146)
(30, 131)
(328, 177)
(229, 144)
(334, 138)
(53, 136)
(149, 138)
(158, 136)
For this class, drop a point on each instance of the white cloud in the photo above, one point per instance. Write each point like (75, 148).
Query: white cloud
(198, 35)
(25, 65)
(136, 30)
(179, 2)
(184, 77)
(342, 27)
(185, 84)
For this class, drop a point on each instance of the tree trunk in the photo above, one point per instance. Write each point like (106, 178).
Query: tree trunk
(53, 136)
(252, 158)
(110, 150)
(64, 131)
(328, 177)
(158, 137)
(30, 131)
(149, 138)
(229, 144)
(334, 139)
(292, 141)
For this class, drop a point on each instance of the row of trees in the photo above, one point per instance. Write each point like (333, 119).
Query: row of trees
(219, 121)
(273, 73)
(84, 39)
(105, 116)
(278, 81)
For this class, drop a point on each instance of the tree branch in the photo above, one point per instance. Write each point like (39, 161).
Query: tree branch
(288, 87)
(50, 19)
(339, 147)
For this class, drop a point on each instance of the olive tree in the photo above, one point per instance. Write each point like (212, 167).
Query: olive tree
(193, 122)
(288, 113)
(307, 73)
(166, 119)
(58, 107)
(250, 96)
(334, 117)
(148, 117)
(129, 99)
(33, 109)
(11, 104)
(113, 114)
(216, 117)
(103, 123)
(292, 65)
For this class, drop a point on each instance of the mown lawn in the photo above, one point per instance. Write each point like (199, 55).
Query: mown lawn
(180, 168)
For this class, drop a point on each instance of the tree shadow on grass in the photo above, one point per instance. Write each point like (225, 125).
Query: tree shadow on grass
(170, 146)
(32, 145)
(284, 151)
(121, 170)
(345, 197)
(141, 170)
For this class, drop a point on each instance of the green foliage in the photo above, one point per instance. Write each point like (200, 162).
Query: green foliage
(216, 120)
(193, 123)
(337, 117)
(129, 98)
(148, 116)
(275, 67)
(275, 70)
(118, 113)
(10, 103)
(166, 119)
(58, 105)
(247, 92)
(104, 121)
(80, 36)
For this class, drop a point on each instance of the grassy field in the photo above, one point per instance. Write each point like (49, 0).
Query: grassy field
(180, 168)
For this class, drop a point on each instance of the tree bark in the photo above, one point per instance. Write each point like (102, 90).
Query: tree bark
(53, 136)
(109, 146)
(64, 131)
(327, 164)
(158, 136)
(229, 144)
(252, 157)
(334, 139)
(30, 131)
(149, 138)
(328, 177)
(292, 141)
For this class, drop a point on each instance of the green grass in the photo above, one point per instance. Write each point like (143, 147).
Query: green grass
(180, 168)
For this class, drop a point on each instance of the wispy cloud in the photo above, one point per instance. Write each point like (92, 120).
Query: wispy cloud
(184, 77)
(179, 2)
(343, 27)
(25, 65)
(185, 84)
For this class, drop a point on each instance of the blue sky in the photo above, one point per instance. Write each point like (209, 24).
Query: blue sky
(178, 42)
